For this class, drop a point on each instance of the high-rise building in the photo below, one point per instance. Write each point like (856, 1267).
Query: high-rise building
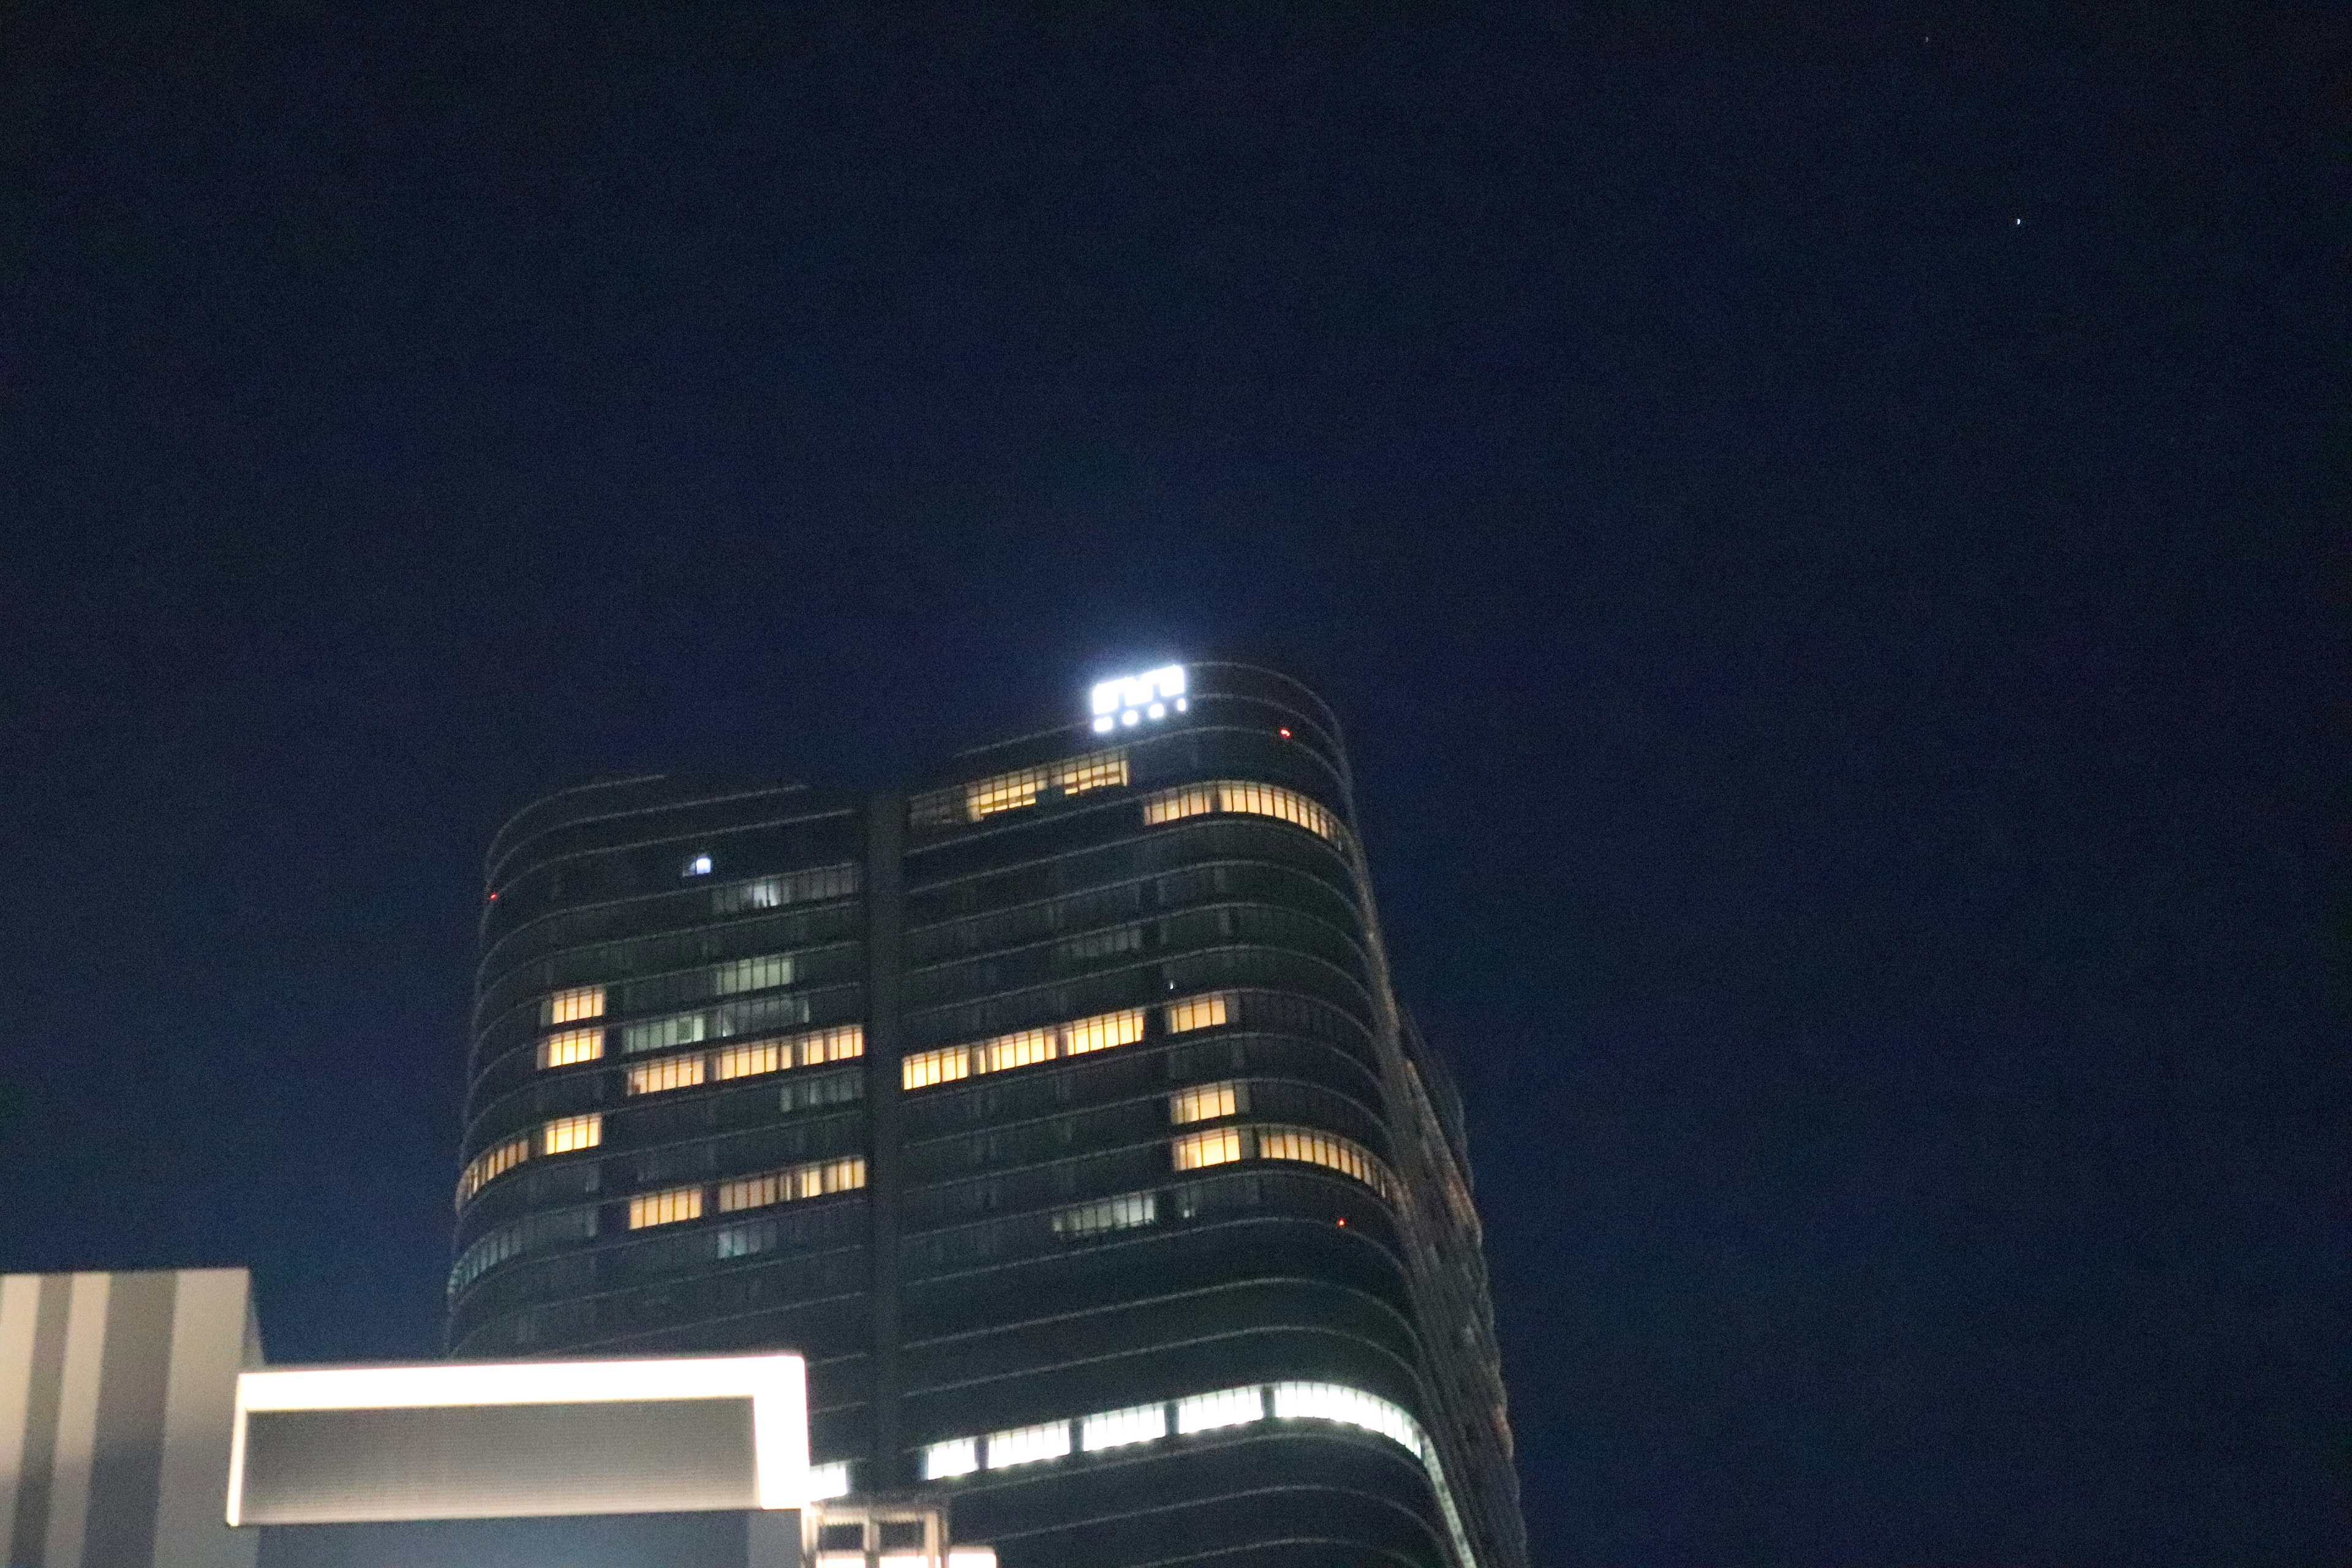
(1061, 1114)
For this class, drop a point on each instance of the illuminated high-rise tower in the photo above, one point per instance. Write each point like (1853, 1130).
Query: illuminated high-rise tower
(1060, 1112)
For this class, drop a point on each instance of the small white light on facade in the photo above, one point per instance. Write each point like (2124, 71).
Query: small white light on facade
(1180, 705)
(1130, 717)
(1102, 727)
(699, 866)
(1158, 711)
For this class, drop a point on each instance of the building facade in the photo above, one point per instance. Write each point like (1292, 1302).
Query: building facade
(1061, 1114)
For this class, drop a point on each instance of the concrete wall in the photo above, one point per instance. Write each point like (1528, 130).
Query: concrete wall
(117, 1392)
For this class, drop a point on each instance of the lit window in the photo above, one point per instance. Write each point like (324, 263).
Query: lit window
(1353, 1407)
(1205, 1103)
(1019, 1049)
(673, 1072)
(828, 1481)
(957, 1457)
(491, 1163)
(1117, 1428)
(1101, 1033)
(1027, 1444)
(1011, 791)
(755, 1057)
(1328, 1150)
(565, 1006)
(660, 1034)
(1195, 1150)
(773, 892)
(752, 1058)
(753, 974)
(1226, 1408)
(1124, 1212)
(1239, 795)
(562, 1137)
(1022, 1048)
(572, 1045)
(928, 1068)
(699, 866)
(1193, 800)
(810, 1181)
(664, 1208)
(1196, 1013)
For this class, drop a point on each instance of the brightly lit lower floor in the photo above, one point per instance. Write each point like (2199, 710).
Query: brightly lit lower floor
(1289, 1474)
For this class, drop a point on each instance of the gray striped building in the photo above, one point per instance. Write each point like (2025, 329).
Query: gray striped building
(116, 1397)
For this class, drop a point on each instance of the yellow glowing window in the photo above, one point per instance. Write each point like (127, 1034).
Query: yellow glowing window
(571, 1046)
(1195, 1150)
(1194, 800)
(1019, 1049)
(1010, 791)
(810, 1181)
(665, 1209)
(1022, 1048)
(676, 1072)
(568, 1007)
(572, 1132)
(1196, 1013)
(1101, 1033)
(833, 1044)
(753, 1057)
(1239, 795)
(928, 1068)
(491, 1163)
(1204, 1104)
(1325, 1149)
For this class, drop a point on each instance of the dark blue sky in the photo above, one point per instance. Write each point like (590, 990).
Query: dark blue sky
(1818, 526)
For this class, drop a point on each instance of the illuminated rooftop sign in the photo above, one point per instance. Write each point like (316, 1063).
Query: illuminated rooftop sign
(1132, 698)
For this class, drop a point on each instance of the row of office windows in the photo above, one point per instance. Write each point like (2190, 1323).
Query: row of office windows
(1217, 1410)
(1011, 792)
(791, 888)
(1239, 795)
(763, 1191)
(1048, 1042)
(761, 971)
(561, 1136)
(749, 1059)
(1224, 1145)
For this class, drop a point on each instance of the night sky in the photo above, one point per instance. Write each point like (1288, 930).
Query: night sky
(1819, 531)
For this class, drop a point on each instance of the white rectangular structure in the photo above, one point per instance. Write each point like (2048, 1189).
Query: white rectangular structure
(472, 1440)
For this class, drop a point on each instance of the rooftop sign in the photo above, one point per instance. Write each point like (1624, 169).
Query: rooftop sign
(1130, 699)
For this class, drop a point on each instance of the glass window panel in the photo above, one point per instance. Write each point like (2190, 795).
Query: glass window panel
(753, 974)
(1197, 1013)
(1027, 1444)
(1108, 1030)
(928, 1068)
(566, 1007)
(571, 1046)
(1202, 1104)
(1117, 1428)
(1226, 1408)
(490, 1164)
(664, 1208)
(956, 1457)
(673, 1072)
(570, 1132)
(1195, 1150)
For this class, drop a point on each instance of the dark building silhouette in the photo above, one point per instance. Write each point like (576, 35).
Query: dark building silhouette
(1060, 1113)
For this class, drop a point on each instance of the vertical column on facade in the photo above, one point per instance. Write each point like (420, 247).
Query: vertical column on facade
(886, 842)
